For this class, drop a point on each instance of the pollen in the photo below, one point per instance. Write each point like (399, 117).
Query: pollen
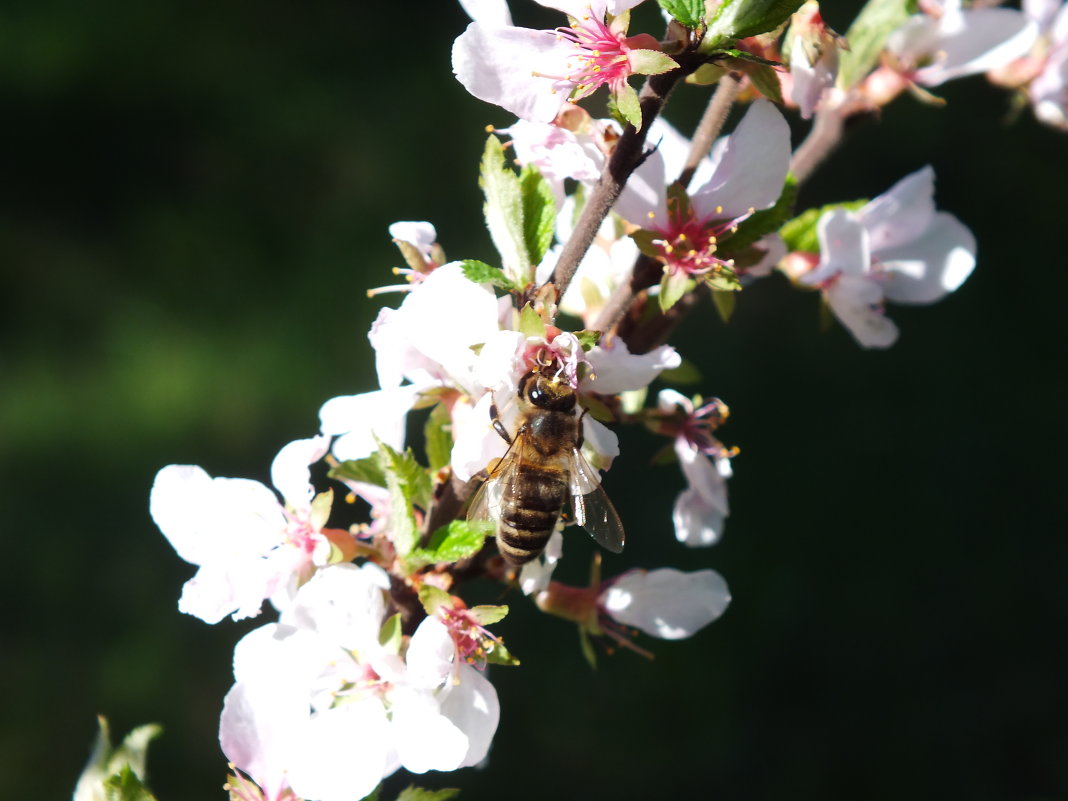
(719, 209)
(652, 215)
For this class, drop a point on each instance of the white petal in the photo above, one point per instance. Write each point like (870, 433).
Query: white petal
(843, 247)
(421, 235)
(208, 520)
(986, 38)
(534, 576)
(616, 369)
(360, 418)
(425, 739)
(701, 510)
(236, 586)
(667, 603)
(902, 213)
(600, 444)
(498, 65)
(430, 655)
(259, 731)
(492, 13)
(857, 302)
(675, 148)
(931, 266)
(289, 471)
(471, 704)
(500, 362)
(344, 603)
(668, 399)
(751, 171)
(475, 442)
(342, 752)
(445, 316)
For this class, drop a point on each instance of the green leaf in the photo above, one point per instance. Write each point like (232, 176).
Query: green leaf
(539, 213)
(766, 79)
(737, 19)
(413, 793)
(451, 543)
(645, 240)
(438, 435)
(689, 13)
(503, 211)
(389, 636)
(373, 795)
(321, 506)
(867, 36)
(733, 54)
(487, 615)
(650, 62)
(800, 233)
(685, 373)
(627, 107)
(725, 281)
(765, 221)
(672, 287)
(530, 323)
(724, 302)
(433, 598)
(408, 484)
(367, 470)
(706, 74)
(126, 786)
(482, 273)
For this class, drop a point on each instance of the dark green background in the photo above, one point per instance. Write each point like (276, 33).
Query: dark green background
(194, 198)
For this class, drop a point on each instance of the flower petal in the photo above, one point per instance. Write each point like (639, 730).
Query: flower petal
(932, 265)
(902, 213)
(843, 248)
(289, 470)
(701, 510)
(616, 369)
(751, 171)
(978, 40)
(471, 704)
(360, 418)
(857, 302)
(667, 603)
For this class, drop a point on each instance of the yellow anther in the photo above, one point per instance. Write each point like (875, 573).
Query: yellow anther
(752, 210)
(734, 229)
(651, 214)
(719, 209)
(489, 128)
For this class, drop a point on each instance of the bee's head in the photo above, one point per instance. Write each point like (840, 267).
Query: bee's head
(547, 392)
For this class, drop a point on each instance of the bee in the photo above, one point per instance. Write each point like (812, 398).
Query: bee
(542, 469)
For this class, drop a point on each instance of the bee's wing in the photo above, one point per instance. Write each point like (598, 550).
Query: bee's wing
(488, 501)
(589, 502)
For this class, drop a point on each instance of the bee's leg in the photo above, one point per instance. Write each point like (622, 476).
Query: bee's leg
(581, 437)
(498, 426)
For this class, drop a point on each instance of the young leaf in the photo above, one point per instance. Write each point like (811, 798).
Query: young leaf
(672, 287)
(408, 484)
(737, 19)
(689, 13)
(486, 615)
(367, 470)
(766, 79)
(685, 373)
(482, 273)
(587, 338)
(433, 598)
(438, 435)
(724, 302)
(413, 793)
(498, 654)
(867, 35)
(115, 773)
(539, 213)
(451, 543)
(651, 62)
(503, 211)
(626, 106)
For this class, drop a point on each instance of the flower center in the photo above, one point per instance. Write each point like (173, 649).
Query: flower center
(689, 245)
(600, 56)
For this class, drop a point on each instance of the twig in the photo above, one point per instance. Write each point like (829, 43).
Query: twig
(822, 139)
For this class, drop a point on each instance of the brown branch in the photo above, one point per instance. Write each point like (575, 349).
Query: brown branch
(824, 136)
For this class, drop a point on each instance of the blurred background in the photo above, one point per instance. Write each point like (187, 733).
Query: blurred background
(194, 199)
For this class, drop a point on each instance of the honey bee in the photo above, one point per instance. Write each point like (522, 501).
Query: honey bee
(543, 468)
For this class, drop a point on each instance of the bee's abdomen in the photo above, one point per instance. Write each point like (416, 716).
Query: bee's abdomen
(530, 512)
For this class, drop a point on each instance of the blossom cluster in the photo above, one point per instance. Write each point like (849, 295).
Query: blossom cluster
(521, 372)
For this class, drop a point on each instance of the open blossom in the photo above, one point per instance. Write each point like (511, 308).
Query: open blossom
(950, 41)
(896, 248)
(701, 510)
(321, 706)
(745, 172)
(533, 73)
(248, 545)
(573, 146)
(418, 243)
(1043, 72)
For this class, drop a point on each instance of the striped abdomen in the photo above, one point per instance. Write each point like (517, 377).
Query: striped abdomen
(529, 511)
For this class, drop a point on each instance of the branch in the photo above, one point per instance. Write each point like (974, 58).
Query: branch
(822, 139)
